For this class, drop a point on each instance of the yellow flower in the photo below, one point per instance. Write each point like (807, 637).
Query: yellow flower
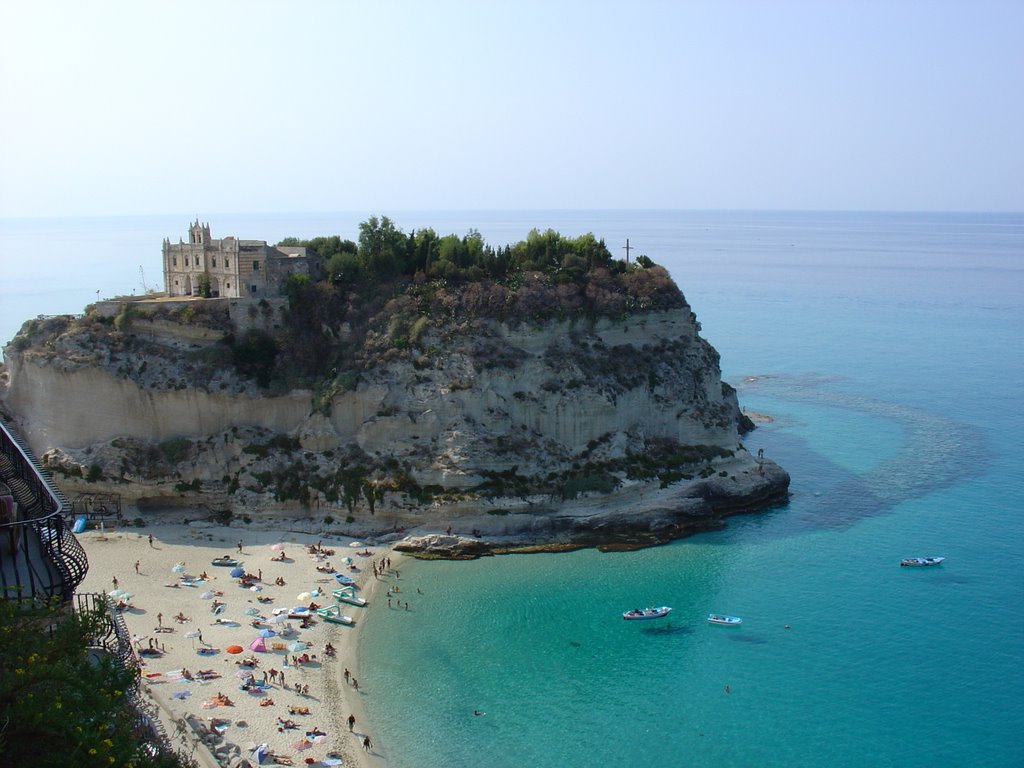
(92, 750)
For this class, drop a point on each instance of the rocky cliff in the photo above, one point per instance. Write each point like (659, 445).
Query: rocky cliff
(589, 431)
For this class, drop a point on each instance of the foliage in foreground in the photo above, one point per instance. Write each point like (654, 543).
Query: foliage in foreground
(58, 705)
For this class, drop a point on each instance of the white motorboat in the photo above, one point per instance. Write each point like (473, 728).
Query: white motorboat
(921, 562)
(721, 618)
(646, 613)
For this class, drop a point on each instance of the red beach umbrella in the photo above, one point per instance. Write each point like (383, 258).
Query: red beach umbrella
(234, 649)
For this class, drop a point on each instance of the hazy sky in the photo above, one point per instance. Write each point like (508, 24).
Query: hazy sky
(219, 106)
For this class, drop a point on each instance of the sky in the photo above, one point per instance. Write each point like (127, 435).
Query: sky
(123, 108)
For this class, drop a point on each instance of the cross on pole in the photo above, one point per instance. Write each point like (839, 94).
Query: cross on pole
(627, 248)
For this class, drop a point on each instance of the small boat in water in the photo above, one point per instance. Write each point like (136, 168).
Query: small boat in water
(646, 613)
(333, 614)
(721, 618)
(921, 562)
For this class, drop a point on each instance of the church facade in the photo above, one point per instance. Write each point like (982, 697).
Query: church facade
(232, 268)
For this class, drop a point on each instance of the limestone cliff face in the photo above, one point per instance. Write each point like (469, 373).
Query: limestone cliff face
(504, 417)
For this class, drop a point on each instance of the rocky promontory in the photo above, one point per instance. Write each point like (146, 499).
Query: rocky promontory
(468, 415)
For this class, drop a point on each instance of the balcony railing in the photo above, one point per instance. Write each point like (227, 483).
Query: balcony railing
(39, 557)
(31, 484)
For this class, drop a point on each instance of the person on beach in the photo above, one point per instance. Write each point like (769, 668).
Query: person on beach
(151, 540)
(351, 721)
(114, 581)
(367, 746)
(160, 620)
(137, 564)
(239, 546)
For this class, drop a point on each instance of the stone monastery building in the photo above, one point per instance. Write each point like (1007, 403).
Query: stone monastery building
(234, 268)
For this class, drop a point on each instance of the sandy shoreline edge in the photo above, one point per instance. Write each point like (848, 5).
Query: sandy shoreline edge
(153, 605)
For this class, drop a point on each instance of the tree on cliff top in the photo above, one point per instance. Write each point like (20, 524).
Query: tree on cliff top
(380, 295)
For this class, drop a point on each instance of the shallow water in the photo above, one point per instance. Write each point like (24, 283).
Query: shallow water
(894, 410)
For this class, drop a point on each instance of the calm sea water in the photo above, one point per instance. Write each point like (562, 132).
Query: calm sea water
(888, 350)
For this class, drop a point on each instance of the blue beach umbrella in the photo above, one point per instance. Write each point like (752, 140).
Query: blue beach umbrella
(267, 632)
(236, 572)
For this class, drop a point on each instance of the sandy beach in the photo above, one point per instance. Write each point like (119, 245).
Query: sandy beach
(297, 727)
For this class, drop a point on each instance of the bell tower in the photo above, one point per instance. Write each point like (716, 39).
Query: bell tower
(199, 234)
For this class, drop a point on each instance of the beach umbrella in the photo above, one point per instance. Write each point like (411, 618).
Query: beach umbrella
(252, 611)
(192, 633)
(267, 632)
(258, 645)
(236, 572)
(277, 547)
(234, 649)
(255, 588)
(115, 593)
(259, 752)
(179, 568)
(303, 596)
(347, 560)
(207, 595)
(279, 618)
(296, 646)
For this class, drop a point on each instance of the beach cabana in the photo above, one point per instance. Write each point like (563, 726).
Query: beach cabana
(258, 645)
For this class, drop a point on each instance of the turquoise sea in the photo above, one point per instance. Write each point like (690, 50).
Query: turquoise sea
(888, 350)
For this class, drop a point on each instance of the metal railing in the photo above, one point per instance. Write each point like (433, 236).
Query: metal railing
(113, 638)
(39, 556)
(18, 464)
(40, 559)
